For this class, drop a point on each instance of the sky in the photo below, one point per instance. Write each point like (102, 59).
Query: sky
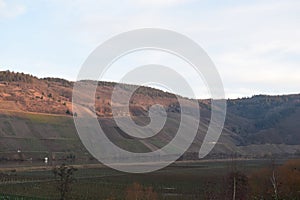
(255, 44)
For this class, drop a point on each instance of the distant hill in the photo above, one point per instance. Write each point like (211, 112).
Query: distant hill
(35, 116)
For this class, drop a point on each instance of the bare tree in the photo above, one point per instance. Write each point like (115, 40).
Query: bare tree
(274, 180)
(64, 176)
(237, 186)
(237, 183)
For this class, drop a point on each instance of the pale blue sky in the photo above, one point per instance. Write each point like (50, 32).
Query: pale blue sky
(254, 44)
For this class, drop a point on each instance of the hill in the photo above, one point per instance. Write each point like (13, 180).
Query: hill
(36, 117)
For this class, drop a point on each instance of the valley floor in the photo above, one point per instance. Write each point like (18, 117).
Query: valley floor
(181, 180)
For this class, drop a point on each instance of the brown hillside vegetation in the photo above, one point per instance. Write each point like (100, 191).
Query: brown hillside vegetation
(277, 182)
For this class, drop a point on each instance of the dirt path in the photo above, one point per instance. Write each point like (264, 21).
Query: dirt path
(150, 146)
(34, 113)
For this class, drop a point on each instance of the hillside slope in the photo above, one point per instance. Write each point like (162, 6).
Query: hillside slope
(36, 117)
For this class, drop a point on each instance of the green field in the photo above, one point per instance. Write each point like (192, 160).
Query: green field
(178, 181)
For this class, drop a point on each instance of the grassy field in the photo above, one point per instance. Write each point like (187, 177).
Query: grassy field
(179, 181)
